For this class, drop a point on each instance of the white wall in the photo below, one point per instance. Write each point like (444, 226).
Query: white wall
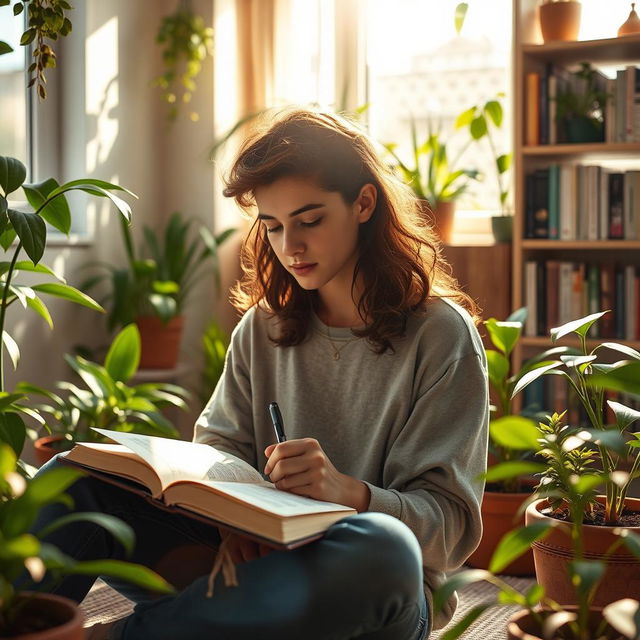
(111, 125)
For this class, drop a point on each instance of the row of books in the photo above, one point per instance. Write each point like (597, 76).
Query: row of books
(621, 111)
(557, 292)
(582, 202)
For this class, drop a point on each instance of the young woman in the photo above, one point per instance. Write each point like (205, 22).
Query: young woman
(353, 325)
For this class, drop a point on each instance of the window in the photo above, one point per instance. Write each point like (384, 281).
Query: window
(418, 67)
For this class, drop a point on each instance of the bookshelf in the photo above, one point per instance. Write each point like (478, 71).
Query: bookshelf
(532, 56)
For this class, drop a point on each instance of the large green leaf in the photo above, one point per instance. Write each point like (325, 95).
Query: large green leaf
(12, 431)
(67, 292)
(158, 423)
(23, 546)
(56, 211)
(498, 367)
(27, 265)
(625, 416)
(622, 348)
(580, 326)
(624, 377)
(97, 378)
(631, 540)
(504, 335)
(460, 15)
(514, 543)
(32, 232)
(41, 309)
(46, 487)
(12, 174)
(513, 469)
(7, 237)
(123, 358)
(624, 616)
(12, 348)
(98, 188)
(493, 109)
(585, 574)
(530, 376)
(515, 432)
(135, 574)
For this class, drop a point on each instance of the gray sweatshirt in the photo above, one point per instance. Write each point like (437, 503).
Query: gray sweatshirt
(412, 424)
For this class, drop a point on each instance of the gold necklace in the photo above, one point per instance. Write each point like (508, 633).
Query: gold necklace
(336, 350)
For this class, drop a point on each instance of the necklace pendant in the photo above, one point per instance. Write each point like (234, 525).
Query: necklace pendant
(336, 355)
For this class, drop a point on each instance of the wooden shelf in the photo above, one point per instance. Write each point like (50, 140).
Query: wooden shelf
(574, 245)
(611, 51)
(601, 148)
(546, 343)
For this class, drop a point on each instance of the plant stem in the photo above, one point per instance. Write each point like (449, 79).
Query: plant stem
(498, 174)
(3, 310)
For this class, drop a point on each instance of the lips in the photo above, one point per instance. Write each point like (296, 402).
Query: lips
(302, 268)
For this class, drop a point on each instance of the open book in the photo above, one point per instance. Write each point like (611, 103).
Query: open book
(202, 480)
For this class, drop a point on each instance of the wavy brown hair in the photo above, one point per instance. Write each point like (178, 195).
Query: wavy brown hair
(399, 261)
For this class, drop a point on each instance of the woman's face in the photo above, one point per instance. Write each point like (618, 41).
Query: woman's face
(313, 232)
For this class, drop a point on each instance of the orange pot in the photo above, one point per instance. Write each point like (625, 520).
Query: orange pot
(160, 343)
(63, 616)
(553, 554)
(560, 20)
(522, 626)
(47, 447)
(499, 515)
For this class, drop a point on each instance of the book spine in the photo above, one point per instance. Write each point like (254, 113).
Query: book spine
(616, 206)
(629, 91)
(532, 125)
(554, 202)
(592, 205)
(635, 124)
(553, 108)
(620, 105)
(593, 294)
(567, 202)
(541, 299)
(553, 275)
(541, 203)
(530, 328)
(603, 204)
(631, 302)
(607, 326)
(610, 111)
(629, 223)
(529, 185)
(565, 281)
(620, 303)
(543, 126)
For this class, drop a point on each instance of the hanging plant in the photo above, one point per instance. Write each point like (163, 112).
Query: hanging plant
(186, 44)
(46, 21)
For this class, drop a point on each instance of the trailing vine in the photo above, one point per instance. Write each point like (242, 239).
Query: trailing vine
(46, 20)
(187, 43)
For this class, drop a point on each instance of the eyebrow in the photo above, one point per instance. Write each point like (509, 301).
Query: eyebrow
(297, 212)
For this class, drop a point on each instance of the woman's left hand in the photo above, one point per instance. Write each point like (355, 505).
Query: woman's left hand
(302, 467)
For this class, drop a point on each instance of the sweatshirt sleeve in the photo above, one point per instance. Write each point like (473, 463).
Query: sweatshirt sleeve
(227, 420)
(431, 471)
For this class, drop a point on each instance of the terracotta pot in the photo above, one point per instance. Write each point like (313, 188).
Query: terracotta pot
(560, 20)
(160, 343)
(499, 515)
(47, 447)
(553, 554)
(522, 626)
(63, 616)
(441, 217)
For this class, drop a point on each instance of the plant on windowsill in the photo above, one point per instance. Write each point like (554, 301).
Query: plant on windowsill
(152, 290)
(21, 497)
(108, 401)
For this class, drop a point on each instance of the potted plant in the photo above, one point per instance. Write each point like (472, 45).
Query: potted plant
(569, 480)
(559, 19)
(480, 120)
(616, 447)
(106, 401)
(153, 288)
(215, 343)
(432, 177)
(581, 105)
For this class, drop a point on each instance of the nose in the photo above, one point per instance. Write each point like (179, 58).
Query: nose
(292, 243)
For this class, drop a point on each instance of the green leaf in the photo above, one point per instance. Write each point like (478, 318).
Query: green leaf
(503, 163)
(478, 127)
(588, 482)
(5, 47)
(12, 431)
(120, 530)
(554, 621)
(158, 422)
(12, 174)
(12, 348)
(585, 574)
(56, 212)
(608, 438)
(515, 432)
(534, 595)
(631, 540)
(123, 358)
(97, 378)
(46, 487)
(135, 574)
(580, 326)
(625, 416)
(513, 469)
(498, 367)
(460, 15)
(465, 118)
(32, 232)
(623, 377)
(514, 543)
(68, 292)
(622, 348)
(624, 616)
(20, 547)
(504, 335)
(533, 375)
(27, 265)
(7, 237)
(27, 37)
(41, 309)
(164, 306)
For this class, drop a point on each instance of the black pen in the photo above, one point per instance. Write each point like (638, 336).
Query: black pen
(276, 418)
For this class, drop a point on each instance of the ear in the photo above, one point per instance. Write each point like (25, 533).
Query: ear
(365, 203)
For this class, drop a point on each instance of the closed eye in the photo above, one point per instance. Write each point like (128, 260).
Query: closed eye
(313, 223)
(274, 229)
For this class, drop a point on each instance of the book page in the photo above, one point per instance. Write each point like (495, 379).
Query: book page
(181, 460)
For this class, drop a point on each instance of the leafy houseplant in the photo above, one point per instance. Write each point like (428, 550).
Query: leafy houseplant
(153, 288)
(107, 402)
(215, 343)
(581, 106)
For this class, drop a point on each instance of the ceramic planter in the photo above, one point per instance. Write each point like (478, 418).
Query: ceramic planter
(552, 555)
(560, 20)
(499, 517)
(584, 130)
(502, 228)
(442, 217)
(47, 447)
(159, 342)
(60, 617)
(522, 626)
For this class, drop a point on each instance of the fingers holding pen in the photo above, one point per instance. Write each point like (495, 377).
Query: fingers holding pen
(288, 451)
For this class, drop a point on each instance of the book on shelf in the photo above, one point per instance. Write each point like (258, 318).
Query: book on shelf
(207, 484)
(532, 118)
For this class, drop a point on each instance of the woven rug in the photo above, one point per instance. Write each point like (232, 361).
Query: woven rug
(103, 604)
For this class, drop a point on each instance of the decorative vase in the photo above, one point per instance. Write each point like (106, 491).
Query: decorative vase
(47, 447)
(553, 554)
(499, 515)
(49, 617)
(632, 24)
(560, 20)
(441, 217)
(522, 626)
(502, 228)
(159, 342)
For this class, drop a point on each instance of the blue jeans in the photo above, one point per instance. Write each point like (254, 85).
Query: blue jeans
(363, 579)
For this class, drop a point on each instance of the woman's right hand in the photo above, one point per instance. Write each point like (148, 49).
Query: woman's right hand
(242, 549)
